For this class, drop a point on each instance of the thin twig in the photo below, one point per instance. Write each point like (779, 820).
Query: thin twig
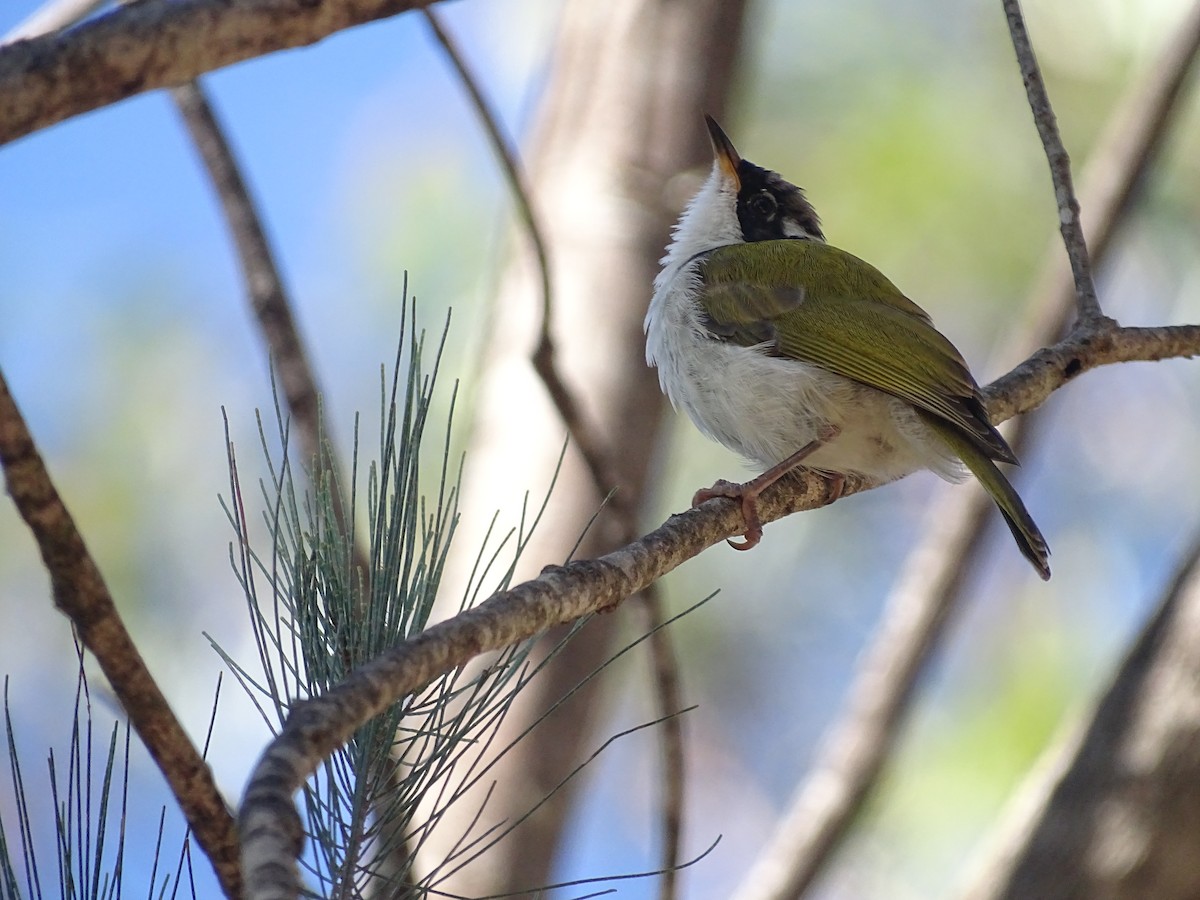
(1060, 163)
(929, 587)
(1128, 146)
(505, 154)
(270, 825)
(269, 300)
(264, 287)
(599, 463)
(81, 594)
(672, 793)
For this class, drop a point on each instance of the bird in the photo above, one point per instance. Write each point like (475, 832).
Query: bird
(793, 352)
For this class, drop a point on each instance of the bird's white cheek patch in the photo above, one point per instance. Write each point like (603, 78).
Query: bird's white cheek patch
(793, 229)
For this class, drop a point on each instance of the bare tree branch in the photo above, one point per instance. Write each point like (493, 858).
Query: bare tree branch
(156, 44)
(264, 285)
(672, 792)
(1128, 147)
(595, 454)
(272, 309)
(921, 603)
(1112, 811)
(265, 289)
(1060, 162)
(270, 826)
(80, 593)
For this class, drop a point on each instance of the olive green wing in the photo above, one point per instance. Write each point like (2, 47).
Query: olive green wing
(815, 303)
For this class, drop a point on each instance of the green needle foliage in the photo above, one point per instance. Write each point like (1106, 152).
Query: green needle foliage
(88, 806)
(319, 607)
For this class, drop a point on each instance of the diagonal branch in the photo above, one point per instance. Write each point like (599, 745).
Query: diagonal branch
(156, 44)
(264, 285)
(81, 594)
(270, 826)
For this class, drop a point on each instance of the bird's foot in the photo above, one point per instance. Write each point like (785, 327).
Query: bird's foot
(747, 496)
(836, 482)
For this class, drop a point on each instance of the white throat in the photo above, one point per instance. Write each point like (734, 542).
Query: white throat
(710, 221)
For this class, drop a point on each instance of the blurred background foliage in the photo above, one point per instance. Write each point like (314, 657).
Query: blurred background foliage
(123, 334)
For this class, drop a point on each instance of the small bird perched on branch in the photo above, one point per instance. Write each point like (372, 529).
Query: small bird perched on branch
(793, 352)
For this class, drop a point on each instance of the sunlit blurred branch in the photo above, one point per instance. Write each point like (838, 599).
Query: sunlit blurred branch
(81, 594)
(618, 118)
(599, 462)
(156, 44)
(316, 727)
(825, 805)
(585, 437)
(1110, 811)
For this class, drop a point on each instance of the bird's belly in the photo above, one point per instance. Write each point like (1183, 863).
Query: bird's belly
(766, 408)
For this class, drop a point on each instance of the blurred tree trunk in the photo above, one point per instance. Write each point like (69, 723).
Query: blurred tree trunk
(1117, 815)
(620, 117)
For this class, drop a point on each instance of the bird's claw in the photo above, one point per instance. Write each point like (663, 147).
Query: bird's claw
(722, 488)
(749, 503)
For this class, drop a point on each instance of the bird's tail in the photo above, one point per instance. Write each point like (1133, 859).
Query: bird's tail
(1024, 530)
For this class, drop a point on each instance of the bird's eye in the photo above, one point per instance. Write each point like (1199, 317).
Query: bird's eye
(763, 204)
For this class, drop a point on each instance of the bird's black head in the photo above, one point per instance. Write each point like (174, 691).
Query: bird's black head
(771, 209)
(768, 208)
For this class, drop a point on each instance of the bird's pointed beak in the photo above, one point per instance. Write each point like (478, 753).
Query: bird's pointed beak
(724, 151)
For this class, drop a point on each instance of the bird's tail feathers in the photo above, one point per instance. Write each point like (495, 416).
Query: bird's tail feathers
(1024, 530)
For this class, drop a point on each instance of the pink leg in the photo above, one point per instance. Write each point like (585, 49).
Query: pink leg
(749, 492)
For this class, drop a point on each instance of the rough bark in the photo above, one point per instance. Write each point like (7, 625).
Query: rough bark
(81, 594)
